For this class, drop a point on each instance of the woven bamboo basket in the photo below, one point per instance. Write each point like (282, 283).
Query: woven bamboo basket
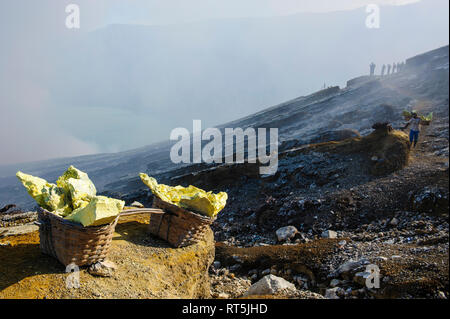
(178, 226)
(71, 242)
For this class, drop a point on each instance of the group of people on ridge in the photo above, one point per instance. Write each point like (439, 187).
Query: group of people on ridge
(395, 67)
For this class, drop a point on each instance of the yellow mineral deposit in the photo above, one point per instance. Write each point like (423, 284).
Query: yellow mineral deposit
(189, 197)
(47, 195)
(99, 211)
(79, 185)
(73, 197)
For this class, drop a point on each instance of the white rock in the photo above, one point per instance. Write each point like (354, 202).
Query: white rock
(104, 268)
(137, 204)
(331, 293)
(223, 295)
(285, 233)
(270, 285)
(329, 234)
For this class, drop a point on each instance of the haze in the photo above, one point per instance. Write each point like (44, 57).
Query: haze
(137, 69)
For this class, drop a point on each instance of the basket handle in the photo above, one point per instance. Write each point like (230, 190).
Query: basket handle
(129, 212)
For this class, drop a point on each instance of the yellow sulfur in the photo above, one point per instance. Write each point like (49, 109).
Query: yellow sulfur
(73, 197)
(189, 197)
(100, 210)
(79, 185)
(47, 195)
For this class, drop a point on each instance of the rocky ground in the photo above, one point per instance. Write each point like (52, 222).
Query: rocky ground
(398, 222)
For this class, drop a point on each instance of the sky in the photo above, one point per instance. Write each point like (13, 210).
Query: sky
(39, 122)
(156, 12)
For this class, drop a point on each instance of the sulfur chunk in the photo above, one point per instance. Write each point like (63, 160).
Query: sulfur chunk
(100, 210)
(78, 185)
(189, 197)
(47, 195)
(208, 203)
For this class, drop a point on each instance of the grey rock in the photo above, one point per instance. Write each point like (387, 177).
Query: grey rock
(104, 268)
(350, 267)
(394, 222)
(334, 283)
(285, 233)
(265, 272)
(331, 293)
(329, 234)
(270, 285)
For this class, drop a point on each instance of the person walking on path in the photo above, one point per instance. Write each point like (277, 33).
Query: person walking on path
(415, 129)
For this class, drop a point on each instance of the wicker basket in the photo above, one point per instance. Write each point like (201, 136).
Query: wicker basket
(71, 242)
(178, 226)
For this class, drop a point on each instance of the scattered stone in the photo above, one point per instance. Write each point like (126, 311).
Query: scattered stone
(223, 295)
(342, 243)
(331, 293)
(253, 271)
(334, 283)
(329, 234)
(265, 272)
(217, 264)
(441, 295)
(137, 204)
(285, 233)
(348, 268)
(360, 277)
(104, 268)
(394, 222)
(237, 259)
(235, 267)
(270, 285)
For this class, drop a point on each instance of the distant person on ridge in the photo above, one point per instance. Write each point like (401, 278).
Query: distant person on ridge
(372, 68)
(389, 69)
(383, 69)
(415, 129)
